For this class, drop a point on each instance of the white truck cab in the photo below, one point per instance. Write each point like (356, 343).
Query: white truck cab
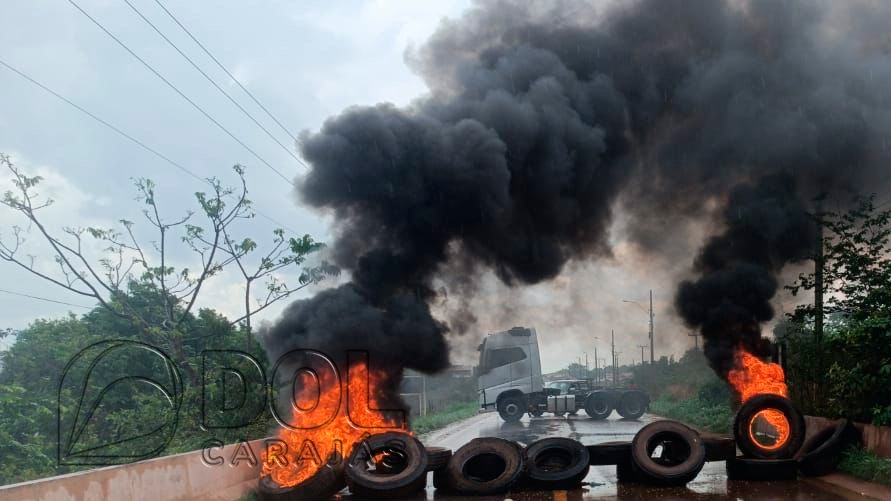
(509, 368)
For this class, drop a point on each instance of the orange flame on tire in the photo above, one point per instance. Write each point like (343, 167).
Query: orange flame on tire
(307, 450)
(769, 429)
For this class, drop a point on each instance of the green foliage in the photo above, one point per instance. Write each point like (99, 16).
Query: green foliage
(695, 411)
(855, 353)
(436, 420)
(33, 365)
(867, 466)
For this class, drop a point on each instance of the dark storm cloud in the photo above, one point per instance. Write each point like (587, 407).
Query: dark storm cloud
(541, 118)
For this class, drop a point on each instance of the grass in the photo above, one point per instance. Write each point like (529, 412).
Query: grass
(706, 416)
(437, 420)
(867, 466)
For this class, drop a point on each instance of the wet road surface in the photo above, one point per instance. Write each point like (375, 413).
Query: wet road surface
(600, 484)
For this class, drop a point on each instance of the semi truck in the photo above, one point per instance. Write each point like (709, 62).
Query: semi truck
(510, 381)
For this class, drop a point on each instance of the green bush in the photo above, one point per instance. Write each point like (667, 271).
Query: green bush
(702, 414)
(867, 466)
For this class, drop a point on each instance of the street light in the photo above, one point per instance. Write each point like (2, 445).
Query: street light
(652, 354)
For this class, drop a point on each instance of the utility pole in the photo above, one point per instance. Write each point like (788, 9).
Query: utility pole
(818, 299)
(695, 336)
(652, 354)
(586, 366)
(642, 348)
(613, 337)
(596, 371)
(616, 369)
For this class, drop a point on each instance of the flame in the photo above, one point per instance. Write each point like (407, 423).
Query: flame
(307, 450)
(769, 428)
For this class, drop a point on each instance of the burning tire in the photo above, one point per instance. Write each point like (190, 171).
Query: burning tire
(405, 474)
(768, 427)
(742, 468)
(609, 453)
(718, 447)
(632, 405)
(327, 481)
(667, 453)
(821, 453)
(483, 466)
(512, 407)
(597, 406)
(556, 463)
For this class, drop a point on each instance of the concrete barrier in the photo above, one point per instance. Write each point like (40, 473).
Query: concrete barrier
(179, 477)
(876, 439)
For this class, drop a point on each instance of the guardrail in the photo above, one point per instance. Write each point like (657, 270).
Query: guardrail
(180, 477)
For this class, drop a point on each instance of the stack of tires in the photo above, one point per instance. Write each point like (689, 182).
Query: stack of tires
(760, 462)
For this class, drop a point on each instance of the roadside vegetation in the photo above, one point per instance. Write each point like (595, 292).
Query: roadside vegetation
(448, 415)
(139, 299)
(867, 466)
(845, 372)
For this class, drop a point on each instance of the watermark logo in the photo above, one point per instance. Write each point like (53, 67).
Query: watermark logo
(105, 381)
(119, 401)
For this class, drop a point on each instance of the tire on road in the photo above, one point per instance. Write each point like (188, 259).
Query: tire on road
(681, 456)
(626, 473)
(437, 457)
(483, 466)
(822, 453)
(327, 481)
(556, 463)
(512, 407)
(609, 453)
(632, 405)
(597, 406)
(392, 482)
(743, 468)
(750, 410)
(718, 447)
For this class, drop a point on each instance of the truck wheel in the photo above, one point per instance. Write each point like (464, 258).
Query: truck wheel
(483, 466)
(681, 453)
(632, 405)
(511, 408)
(744, 427)
(556, 463)
(597, 406)
(537, 413)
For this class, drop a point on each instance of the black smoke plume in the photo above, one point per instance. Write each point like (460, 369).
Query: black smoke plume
(544, 118)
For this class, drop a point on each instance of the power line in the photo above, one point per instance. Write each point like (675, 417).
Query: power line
(249, 93)
(209, 79)
(21, 294)
(176, 89)
(126, 135)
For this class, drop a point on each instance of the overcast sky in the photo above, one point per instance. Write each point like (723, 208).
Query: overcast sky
(305, 61)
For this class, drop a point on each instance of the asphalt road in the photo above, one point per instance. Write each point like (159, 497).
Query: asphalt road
(600, 484)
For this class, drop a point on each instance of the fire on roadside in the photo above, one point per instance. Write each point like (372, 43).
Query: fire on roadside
(769, 428)
(307, 450)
